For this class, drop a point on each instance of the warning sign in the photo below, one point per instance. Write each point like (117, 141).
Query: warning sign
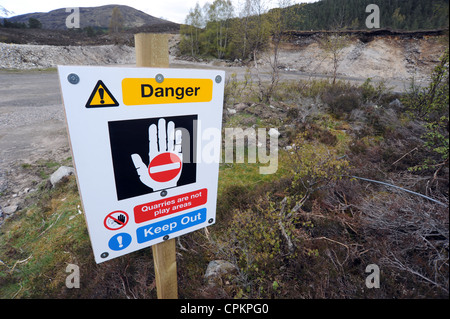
(120, 241)
(146, 145)
(101, 97)
(172, 205)
(168, 226)
(150, 91)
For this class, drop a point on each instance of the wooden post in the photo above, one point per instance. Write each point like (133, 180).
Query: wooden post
(152, 50)
(164, 259)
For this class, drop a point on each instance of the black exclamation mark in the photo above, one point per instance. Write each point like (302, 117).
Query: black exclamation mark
(101, 92)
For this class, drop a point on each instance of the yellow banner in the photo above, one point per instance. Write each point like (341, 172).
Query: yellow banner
(137, 91)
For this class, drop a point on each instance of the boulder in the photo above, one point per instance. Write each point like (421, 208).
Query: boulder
(396, 104)
(274, 132)
(60, 173)
(218, 268)
(240, 106)
(8, 210)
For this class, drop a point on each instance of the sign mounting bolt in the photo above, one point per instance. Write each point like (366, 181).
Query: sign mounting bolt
(218, 79)
(159, 78)
(73, 78)
(104, 255)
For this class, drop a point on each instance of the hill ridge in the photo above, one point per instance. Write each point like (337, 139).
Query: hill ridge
(99, 17)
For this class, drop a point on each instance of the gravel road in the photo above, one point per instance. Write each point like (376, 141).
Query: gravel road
(31, 116)
(32, 127)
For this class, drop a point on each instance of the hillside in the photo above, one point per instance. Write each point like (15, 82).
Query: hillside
(351, 14)
(91, 16)
(54, 30)
(79, 37)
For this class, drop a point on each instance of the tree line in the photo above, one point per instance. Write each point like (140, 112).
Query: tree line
(33, 23)
(222, 30)
(394, 14)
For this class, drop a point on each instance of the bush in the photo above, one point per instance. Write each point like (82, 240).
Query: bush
(431, 105)
(315, 165)
(34, 23)
(315, 132)
(411, 236)
(342, 99)
(373, 94)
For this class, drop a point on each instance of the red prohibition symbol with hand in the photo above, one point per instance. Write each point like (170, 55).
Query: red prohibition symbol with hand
(116, 220)
(165, 157)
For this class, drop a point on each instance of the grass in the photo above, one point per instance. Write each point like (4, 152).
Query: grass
(38, 242)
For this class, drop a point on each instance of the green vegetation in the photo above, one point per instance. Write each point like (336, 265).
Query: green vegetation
(39, 241)
(395, 14)
(220, 30)
(34, 23)
(214, 31)
(9, 24)
(432, 105)
(116, 22)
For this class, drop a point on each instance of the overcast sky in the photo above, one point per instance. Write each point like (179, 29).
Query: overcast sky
(173, 10)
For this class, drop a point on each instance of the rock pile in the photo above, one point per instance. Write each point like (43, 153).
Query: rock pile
(26, 56)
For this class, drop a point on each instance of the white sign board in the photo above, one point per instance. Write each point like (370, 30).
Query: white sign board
(146, 148)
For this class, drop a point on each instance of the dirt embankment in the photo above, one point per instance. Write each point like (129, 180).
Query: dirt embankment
(43, 56)
(392, 56)
(27, 56)
(388, 57)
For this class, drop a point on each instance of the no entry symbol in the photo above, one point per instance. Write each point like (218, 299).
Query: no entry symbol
(116, 220)
(164, 167)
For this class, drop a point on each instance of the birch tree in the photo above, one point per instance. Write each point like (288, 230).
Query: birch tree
(191, 31)
(117, 21)
(219, 17)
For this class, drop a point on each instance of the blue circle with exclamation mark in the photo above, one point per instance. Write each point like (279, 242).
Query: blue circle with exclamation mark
(119, 241)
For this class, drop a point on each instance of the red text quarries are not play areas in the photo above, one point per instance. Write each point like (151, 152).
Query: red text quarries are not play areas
(171, 205)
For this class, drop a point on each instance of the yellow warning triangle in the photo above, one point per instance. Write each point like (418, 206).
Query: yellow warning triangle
(101, 97)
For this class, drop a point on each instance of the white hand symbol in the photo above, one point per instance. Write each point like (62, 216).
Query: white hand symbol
(165, 161)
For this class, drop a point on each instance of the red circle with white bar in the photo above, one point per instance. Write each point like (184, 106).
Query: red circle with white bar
(116, 220)
(164, 167)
